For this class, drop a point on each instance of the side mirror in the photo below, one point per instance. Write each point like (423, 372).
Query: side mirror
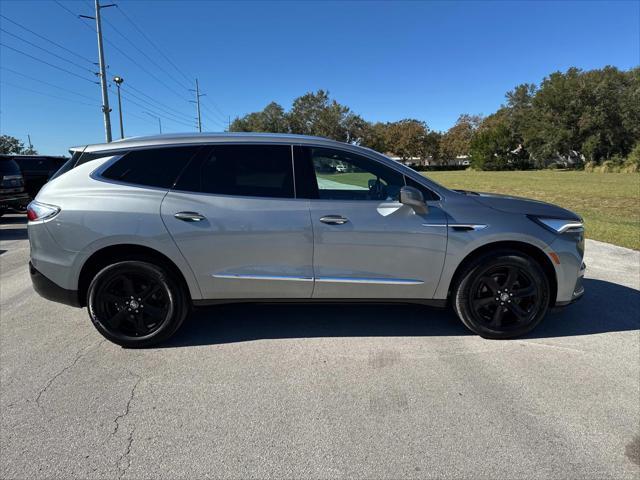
(413, 197)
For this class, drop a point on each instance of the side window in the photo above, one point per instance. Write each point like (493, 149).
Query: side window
(343, 175)
(158, 167)
(241, 170)
(426, 193)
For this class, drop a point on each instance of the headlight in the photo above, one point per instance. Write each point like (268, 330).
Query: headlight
(559, 225)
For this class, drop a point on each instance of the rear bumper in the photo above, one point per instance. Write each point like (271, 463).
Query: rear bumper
(48, 289)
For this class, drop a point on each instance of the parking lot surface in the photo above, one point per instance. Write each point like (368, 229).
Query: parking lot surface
(329, 391)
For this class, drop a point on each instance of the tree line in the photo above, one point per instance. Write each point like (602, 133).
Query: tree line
(573, 117)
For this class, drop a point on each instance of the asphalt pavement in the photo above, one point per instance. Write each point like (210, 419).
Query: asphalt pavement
(322, 391)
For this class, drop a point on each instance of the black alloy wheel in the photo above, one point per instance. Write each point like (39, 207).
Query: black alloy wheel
(135, 304)
(502, 295)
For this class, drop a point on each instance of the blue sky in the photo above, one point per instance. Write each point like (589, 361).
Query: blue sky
(385, 60)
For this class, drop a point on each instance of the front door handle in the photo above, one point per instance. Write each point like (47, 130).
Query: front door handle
(334, 219)
(189, 216)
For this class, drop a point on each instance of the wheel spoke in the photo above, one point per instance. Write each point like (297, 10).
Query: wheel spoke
(483, 302)
(149, 292)
(491, 284)
(139, 325)
(525, 292)
(512, 276)
(128, 285)
(496, 321)
(111, 298)
(518, 311)
(154, 312)
(116, 320)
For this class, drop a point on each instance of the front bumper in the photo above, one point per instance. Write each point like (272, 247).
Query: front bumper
(48, 289)
(578, 289)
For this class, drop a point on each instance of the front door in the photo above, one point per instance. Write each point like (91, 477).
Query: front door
(234, 217)
(366, 244)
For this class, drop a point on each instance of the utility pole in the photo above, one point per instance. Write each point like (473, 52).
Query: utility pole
(159, 121)
(197, 102)
(118, 81)
(103, 76)
(228, 123)
(30, 144)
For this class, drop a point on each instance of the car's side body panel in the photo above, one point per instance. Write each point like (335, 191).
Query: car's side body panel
(385, 250)
(245, 247)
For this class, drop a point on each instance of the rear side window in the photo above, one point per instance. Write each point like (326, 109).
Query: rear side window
(241, 170)
(158, 167)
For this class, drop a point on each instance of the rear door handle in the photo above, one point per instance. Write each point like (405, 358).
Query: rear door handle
(189, 216)
(334, 219)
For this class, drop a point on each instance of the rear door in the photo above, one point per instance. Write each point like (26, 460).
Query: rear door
(367, 244)
(235, 218)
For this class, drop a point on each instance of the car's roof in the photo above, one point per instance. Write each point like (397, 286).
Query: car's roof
(195, 138)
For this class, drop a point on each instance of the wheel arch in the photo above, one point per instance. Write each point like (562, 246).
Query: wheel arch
(528, 249)
(117, 253)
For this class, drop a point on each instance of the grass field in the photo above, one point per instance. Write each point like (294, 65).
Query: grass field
(609, 202)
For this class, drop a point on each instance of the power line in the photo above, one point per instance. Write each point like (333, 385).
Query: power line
(144, 107)
(141, 32)
(46, 83)
(118, 49)
(153, 105)
(140, 92)
(72, 100)
(47, 63)
(48, 40)
(45, 50)
(160, 67)
(222, 115)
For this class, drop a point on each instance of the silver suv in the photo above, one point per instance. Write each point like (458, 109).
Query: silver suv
(143, 229)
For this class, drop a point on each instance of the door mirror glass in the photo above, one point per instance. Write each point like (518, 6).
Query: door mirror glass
(412, 197)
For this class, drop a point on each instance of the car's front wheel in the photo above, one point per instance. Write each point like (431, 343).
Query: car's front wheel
(136, 304)
(503, 294)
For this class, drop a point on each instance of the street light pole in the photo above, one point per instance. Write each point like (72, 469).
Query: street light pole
(118, 81)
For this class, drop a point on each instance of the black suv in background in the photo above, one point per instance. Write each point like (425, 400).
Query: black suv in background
(36, 170)
(12, 194)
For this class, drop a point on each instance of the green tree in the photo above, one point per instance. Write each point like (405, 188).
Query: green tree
(272, 120)
(457, 140)
(375, 137)
(407, 138)
(12, 146)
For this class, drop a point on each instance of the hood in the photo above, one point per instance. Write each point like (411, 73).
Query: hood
(525, 206)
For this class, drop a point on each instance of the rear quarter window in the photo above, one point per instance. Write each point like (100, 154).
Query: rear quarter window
(158, 167)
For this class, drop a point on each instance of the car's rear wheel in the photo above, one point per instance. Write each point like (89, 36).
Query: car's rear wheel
(136, 303)
(503, 294)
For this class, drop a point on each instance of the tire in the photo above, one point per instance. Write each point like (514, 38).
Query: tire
(503, 294)
(136, 304)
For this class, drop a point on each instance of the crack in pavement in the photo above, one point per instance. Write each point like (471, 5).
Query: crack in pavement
(126, 453)
(79, 354)
(116, 420)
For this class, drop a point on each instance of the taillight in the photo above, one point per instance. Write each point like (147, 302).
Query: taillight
(41, 211)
